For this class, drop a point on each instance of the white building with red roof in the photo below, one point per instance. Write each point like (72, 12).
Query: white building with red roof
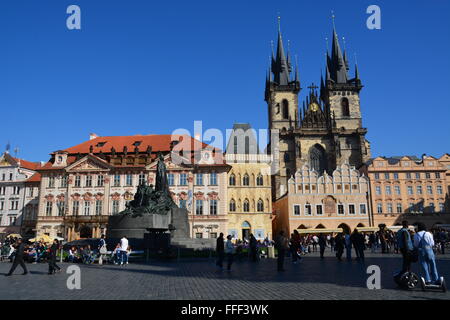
(16, 196)
(82, 186)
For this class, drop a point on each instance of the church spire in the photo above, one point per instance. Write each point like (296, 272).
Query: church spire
(280, 65)
(337, 64)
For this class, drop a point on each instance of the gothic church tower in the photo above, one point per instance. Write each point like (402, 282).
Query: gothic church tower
(328, 131)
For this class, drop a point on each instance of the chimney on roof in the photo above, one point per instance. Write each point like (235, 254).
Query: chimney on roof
(197, 136)
(92, 136)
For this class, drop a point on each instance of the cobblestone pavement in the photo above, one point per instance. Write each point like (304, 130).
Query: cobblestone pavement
(313, 278)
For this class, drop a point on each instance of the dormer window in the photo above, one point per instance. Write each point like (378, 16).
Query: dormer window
(100, 144)
(137, 143)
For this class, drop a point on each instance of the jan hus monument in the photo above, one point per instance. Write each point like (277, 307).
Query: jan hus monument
(152, 215)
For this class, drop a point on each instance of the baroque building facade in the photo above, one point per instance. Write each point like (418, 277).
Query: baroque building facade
(249, 186)
(17, 197)
(315, 201)
(408, 188)
(82, 185)
(327, 131)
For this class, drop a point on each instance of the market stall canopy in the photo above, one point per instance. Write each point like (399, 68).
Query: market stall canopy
(306, 231)
(14, 235)
(44, 238)
(367, 229)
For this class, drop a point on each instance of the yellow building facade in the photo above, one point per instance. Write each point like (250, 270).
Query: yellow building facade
(249, 186)
(249, 200)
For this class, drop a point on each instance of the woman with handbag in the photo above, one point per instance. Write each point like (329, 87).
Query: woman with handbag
(102, 249)
(424, 242)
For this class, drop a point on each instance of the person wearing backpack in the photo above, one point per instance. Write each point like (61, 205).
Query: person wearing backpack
(405, 245)
(424, 242)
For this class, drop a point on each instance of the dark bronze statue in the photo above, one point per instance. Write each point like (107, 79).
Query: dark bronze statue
(152, 201)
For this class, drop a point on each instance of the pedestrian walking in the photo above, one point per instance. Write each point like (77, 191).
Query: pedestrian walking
(123, 251)
(360, 244)
(295, 244)
(281, 244)
(322, 244)
(442, 239)
(52, 266)
(348, 247)
(18, 258)
(332, 243)
(102, 250)
(405, 245)
(339, 243)
(253, 248)
(372, 242)
(354, 242)
(220, 251)
(229, 250)
(424, 242)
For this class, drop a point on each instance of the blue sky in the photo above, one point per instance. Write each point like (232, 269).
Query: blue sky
(145, 67)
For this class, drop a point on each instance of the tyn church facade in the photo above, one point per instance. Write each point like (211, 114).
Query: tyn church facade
(327, 131)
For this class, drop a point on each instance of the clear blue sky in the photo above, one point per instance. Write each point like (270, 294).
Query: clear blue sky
(143, 67)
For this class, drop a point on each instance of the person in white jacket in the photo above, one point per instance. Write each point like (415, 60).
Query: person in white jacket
(123, 250)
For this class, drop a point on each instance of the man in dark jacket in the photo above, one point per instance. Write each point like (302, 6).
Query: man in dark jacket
(18, 258)
(52, 267)
(281, 244)
(339, 243)
(405, 245)
(322, 244)
(220, 250)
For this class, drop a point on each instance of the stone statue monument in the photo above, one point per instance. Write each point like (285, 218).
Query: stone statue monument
(152, 220)
(152, 201)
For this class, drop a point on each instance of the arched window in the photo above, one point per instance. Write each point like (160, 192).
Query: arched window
(232, 205)
(246, 205)
(317, 159)
(259, 180)
(246, 180)
(260, 206)
(285, 109)
(232, 180)
(345, 107)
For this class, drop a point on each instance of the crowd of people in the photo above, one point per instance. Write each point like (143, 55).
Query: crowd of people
(88, 255)
(19, 252)
(383, 241)
(419, 245)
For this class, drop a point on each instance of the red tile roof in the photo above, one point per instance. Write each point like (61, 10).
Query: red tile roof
(158, 143)
(28, 164)
(34, 178)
